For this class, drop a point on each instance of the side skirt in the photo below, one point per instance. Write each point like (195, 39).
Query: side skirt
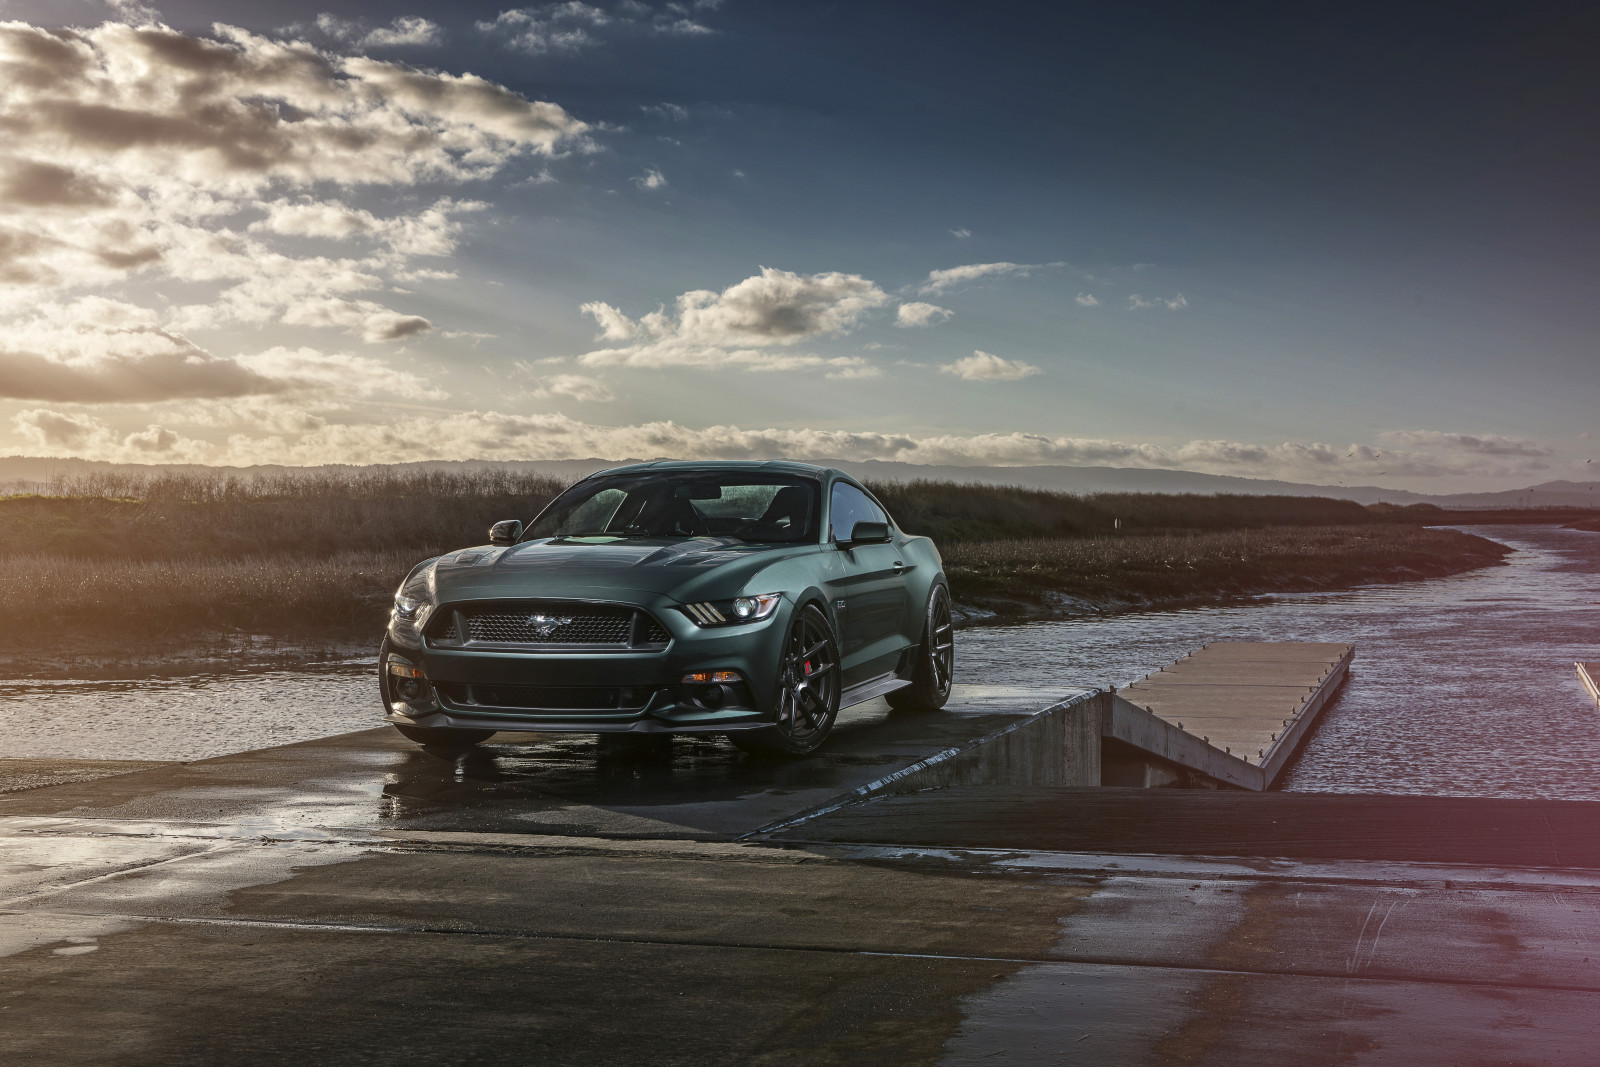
(865, 691)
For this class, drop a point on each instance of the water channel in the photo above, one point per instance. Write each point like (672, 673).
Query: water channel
(1462, 686)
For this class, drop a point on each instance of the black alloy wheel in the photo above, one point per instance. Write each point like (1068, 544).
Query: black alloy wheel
(808, 691)
(935, 662)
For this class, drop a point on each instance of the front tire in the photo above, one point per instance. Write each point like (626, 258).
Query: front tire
(444, 738)
(808, 691)
(934, 672)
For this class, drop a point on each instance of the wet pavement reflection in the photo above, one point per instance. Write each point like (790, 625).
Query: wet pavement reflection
(568, 784)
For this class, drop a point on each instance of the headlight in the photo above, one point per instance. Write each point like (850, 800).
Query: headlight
(413, 601)
(733, 612)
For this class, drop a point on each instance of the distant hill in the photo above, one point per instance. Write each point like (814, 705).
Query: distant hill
(22, 473)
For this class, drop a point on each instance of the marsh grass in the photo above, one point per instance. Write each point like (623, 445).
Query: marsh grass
(1174, 566)
(186, 558)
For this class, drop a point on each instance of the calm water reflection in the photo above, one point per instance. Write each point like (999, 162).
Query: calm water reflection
(1462, 686)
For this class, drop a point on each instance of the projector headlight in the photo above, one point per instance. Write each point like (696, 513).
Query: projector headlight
(413, 603)
(707, 613)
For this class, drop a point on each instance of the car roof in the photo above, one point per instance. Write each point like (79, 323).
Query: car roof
(776, 466)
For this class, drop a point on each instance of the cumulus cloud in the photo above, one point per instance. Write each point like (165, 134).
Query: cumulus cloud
(950, 277)
(57, 433)
(1088, 300)
(572, 25)
(99, 351)
(984, 366)
(743, 325)
(407, 31)
(919, 314)
(1140, 303)
(225, 163)
(652, 178)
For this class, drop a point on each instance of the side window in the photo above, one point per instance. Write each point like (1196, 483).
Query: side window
(849, 506)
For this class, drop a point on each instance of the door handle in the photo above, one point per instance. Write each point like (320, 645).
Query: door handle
(899, 567)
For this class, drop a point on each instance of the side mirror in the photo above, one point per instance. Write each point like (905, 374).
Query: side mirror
(505, 533)
(869, 533)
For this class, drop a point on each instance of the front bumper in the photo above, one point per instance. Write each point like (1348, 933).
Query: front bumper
(615, 691)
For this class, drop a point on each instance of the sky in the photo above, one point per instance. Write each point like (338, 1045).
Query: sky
(1343, 244)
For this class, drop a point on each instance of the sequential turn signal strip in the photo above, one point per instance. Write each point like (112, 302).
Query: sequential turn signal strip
(705, 614)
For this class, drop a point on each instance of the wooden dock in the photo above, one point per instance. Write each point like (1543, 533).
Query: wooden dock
(1253, 700)
(1587, 673)
(1228, 716)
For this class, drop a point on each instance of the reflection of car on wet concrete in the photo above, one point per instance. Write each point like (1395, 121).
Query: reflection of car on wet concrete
(751, 599)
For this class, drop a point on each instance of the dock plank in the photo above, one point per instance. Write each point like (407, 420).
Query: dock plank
(1589, 675)
(1255, 700)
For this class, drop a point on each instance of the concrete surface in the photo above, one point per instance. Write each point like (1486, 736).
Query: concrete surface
(19, 774)
(356, 900)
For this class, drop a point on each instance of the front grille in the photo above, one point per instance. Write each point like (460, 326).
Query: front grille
(588, 627)
(547, 623)
(548, 697)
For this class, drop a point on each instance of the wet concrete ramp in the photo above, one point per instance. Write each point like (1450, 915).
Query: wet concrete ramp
(1453, 830)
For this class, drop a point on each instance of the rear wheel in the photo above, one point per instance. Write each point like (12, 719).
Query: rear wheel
(935, 659)
(808, 691)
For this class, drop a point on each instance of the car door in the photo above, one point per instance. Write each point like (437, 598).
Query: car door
(869, 589)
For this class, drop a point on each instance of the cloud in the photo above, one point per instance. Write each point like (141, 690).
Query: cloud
(741, 325)
(1088, 300)
(1472, 444)
(1139, 303)
(280, 431)
(940, 280)
(575, 387)
(406, 31)
(573, 26)
(962, 232)
(99, 351)
(136, 150)
(919, 314)
(138, 106)
(54, 432)
(652, 178)
(96, 351)
(984, 366)
(675, 112)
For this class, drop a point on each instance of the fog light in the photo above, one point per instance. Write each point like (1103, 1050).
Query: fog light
(709, 677)
(712, 696)
(410, 682)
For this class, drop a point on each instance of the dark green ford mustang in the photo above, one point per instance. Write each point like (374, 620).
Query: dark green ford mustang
(751, 599)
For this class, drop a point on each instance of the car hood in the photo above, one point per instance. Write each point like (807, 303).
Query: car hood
(607, 569)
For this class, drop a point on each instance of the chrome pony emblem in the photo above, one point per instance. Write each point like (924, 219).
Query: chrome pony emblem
(545, 625)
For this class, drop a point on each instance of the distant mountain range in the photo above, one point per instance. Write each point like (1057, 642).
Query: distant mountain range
(23, 473)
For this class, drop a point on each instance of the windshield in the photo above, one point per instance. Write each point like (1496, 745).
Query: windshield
(751, 506)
